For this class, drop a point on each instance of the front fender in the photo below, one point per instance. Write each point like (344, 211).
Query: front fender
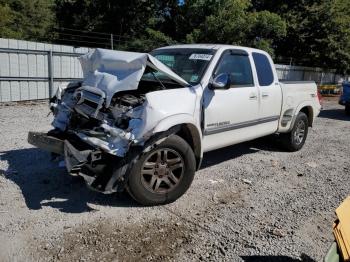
(184, 125)
(174, 120)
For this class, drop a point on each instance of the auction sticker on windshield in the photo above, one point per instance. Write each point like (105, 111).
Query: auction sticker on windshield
(205, 57)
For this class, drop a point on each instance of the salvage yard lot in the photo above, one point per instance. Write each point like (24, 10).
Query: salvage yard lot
(249, 202)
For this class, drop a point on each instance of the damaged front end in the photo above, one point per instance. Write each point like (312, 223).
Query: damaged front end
(103, 122)
(95, 141)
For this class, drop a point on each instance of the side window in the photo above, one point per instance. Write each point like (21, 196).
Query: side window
(263, 69)
(237, 65)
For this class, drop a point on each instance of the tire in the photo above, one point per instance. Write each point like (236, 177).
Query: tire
(347, 109)
(295, 140)
(163, 174)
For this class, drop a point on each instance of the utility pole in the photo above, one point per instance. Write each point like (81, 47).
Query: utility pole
(112, 41)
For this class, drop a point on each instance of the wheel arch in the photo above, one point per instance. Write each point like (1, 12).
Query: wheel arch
(308, 111)
(184, 126)
(190, 134)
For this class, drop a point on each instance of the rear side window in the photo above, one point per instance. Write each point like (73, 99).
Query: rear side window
(238, 67)
(263, 69)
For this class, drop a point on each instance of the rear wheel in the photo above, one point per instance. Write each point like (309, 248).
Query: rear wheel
(163, 174)
(295, 140)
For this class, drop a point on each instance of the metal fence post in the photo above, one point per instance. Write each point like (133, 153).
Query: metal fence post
(112, 42)
(50, 72)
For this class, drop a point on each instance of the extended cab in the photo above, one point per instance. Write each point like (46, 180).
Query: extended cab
(142, 122)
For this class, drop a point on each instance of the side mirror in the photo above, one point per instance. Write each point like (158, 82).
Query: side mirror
(221, 82)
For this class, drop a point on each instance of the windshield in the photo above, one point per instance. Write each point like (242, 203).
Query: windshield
(188, 63)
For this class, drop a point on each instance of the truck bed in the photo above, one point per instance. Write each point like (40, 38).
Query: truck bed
(296, 95)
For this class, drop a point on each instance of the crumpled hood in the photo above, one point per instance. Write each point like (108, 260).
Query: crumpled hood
(114, 71)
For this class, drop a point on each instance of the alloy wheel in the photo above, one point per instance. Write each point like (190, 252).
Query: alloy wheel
(162, 170)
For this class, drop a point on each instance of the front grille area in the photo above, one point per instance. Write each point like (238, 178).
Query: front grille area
(88, 103)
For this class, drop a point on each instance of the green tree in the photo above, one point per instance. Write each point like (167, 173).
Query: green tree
(190, 17)
(26, 19)
(6, 19)
(318, 31)
(132, 21)
(153, 39)
(234, 23)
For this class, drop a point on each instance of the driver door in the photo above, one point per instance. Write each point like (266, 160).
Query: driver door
(230, 115)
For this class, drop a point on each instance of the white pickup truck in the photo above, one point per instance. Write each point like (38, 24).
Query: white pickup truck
(142, 122)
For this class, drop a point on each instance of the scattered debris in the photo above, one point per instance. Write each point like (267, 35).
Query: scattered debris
(274, 163)
(247, 181)
(312, 164)
(216, 181)
(278, 232)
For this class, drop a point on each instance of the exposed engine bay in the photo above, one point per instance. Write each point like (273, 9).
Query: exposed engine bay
(98, 120)
(83, 112)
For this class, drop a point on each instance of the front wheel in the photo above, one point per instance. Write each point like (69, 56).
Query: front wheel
(163, 174)
(295, 140)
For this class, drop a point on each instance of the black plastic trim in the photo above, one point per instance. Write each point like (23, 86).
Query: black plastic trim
(231, 127)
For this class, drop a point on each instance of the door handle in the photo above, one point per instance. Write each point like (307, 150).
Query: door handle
(265, 95)
(253, 96)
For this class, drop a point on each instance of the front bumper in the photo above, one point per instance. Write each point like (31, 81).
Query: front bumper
(74, 158)
(101, 171)
(46, 142)
(97, 168)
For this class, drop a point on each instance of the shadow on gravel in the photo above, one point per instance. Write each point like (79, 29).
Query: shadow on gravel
(336, 114)
(224, 154)
(43, 183)
(304, 258)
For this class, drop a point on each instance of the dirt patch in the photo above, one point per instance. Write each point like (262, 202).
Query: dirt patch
(228, 197)
(109, 241)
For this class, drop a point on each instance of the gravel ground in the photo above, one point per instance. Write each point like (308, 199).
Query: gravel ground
(249, 202)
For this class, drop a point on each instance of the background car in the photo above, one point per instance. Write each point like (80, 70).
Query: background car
(345, 97)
